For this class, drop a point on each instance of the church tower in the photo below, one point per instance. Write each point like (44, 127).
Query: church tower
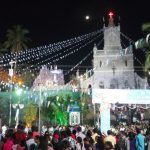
(113, 66)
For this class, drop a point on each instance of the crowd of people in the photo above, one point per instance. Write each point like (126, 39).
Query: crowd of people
(133, 137)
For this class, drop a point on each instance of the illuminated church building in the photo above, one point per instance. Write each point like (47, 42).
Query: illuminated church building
(113, 66)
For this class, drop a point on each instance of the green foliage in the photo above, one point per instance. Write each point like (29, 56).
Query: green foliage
(16, 38)
(4, 110)
(30, 113)
(146, 27)
(56, 111)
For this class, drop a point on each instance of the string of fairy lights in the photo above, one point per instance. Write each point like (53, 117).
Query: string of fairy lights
(50, 54)
(67, 52)
(130, 47)
(36, 54)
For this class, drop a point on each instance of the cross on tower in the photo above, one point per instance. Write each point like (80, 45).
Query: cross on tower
(110, 14)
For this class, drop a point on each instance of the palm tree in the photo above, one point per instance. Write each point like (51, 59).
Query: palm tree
(16, 39)
(146, 29)
(2, 49)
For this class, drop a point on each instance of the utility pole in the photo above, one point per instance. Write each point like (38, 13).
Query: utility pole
(11, 75)
(40, 101)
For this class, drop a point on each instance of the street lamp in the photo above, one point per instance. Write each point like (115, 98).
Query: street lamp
(18, 106)
(11, 75)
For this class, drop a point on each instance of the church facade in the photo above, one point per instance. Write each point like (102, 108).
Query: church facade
(113, 67)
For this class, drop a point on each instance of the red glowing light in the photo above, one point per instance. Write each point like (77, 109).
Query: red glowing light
(110, 14)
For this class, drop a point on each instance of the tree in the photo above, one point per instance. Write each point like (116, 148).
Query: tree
(2, 49)
(16, 41)
(30, 114)
(146, 29)
(16, 38)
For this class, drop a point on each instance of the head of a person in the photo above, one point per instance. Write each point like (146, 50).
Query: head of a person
(68, 131)
(9, 133)
(109, 132)
(30, 134)
(138, 130)
(86, 141)
(95, 130)
(74, 131)
(46, 133)
(108, 145)
(79, 139)
(79, 129)
(89, 133)
(65, 144)
(37, 139)
(43, 143)
(20, 127)
(34, 129)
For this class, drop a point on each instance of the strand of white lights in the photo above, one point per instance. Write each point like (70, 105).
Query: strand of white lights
(76, 50)
(26, 55)
(52, 60)
(79, 63)
(131, 41)
(138, 61)
(54, 49)
(56, 55)
(123, 43)
(100, 42)
(53, 56)
(69, 48)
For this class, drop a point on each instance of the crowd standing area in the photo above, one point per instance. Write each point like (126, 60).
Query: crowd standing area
(121, 137)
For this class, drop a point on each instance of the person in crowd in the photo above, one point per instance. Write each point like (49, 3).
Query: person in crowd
(73, 135)
(4, 129)
(123, 142)
(20, 136)
(56, 140)
(79, 133)
(132, 140)
(8, 141)
(89, 137)
(34, 130)
(140, 144)
(35, 145)
(66, 145)
(1, 139)
(99, 142)
(110, 137)
(43, 145)
(79, 144)
(94, 135)
(87, 144)
(29, 140)
(70, 139)
(108, 146)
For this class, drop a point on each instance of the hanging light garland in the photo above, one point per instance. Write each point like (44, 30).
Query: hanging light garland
(36, 53)
(57, 57)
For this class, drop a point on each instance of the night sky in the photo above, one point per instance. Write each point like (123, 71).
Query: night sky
(52, 21)
(49, 21)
